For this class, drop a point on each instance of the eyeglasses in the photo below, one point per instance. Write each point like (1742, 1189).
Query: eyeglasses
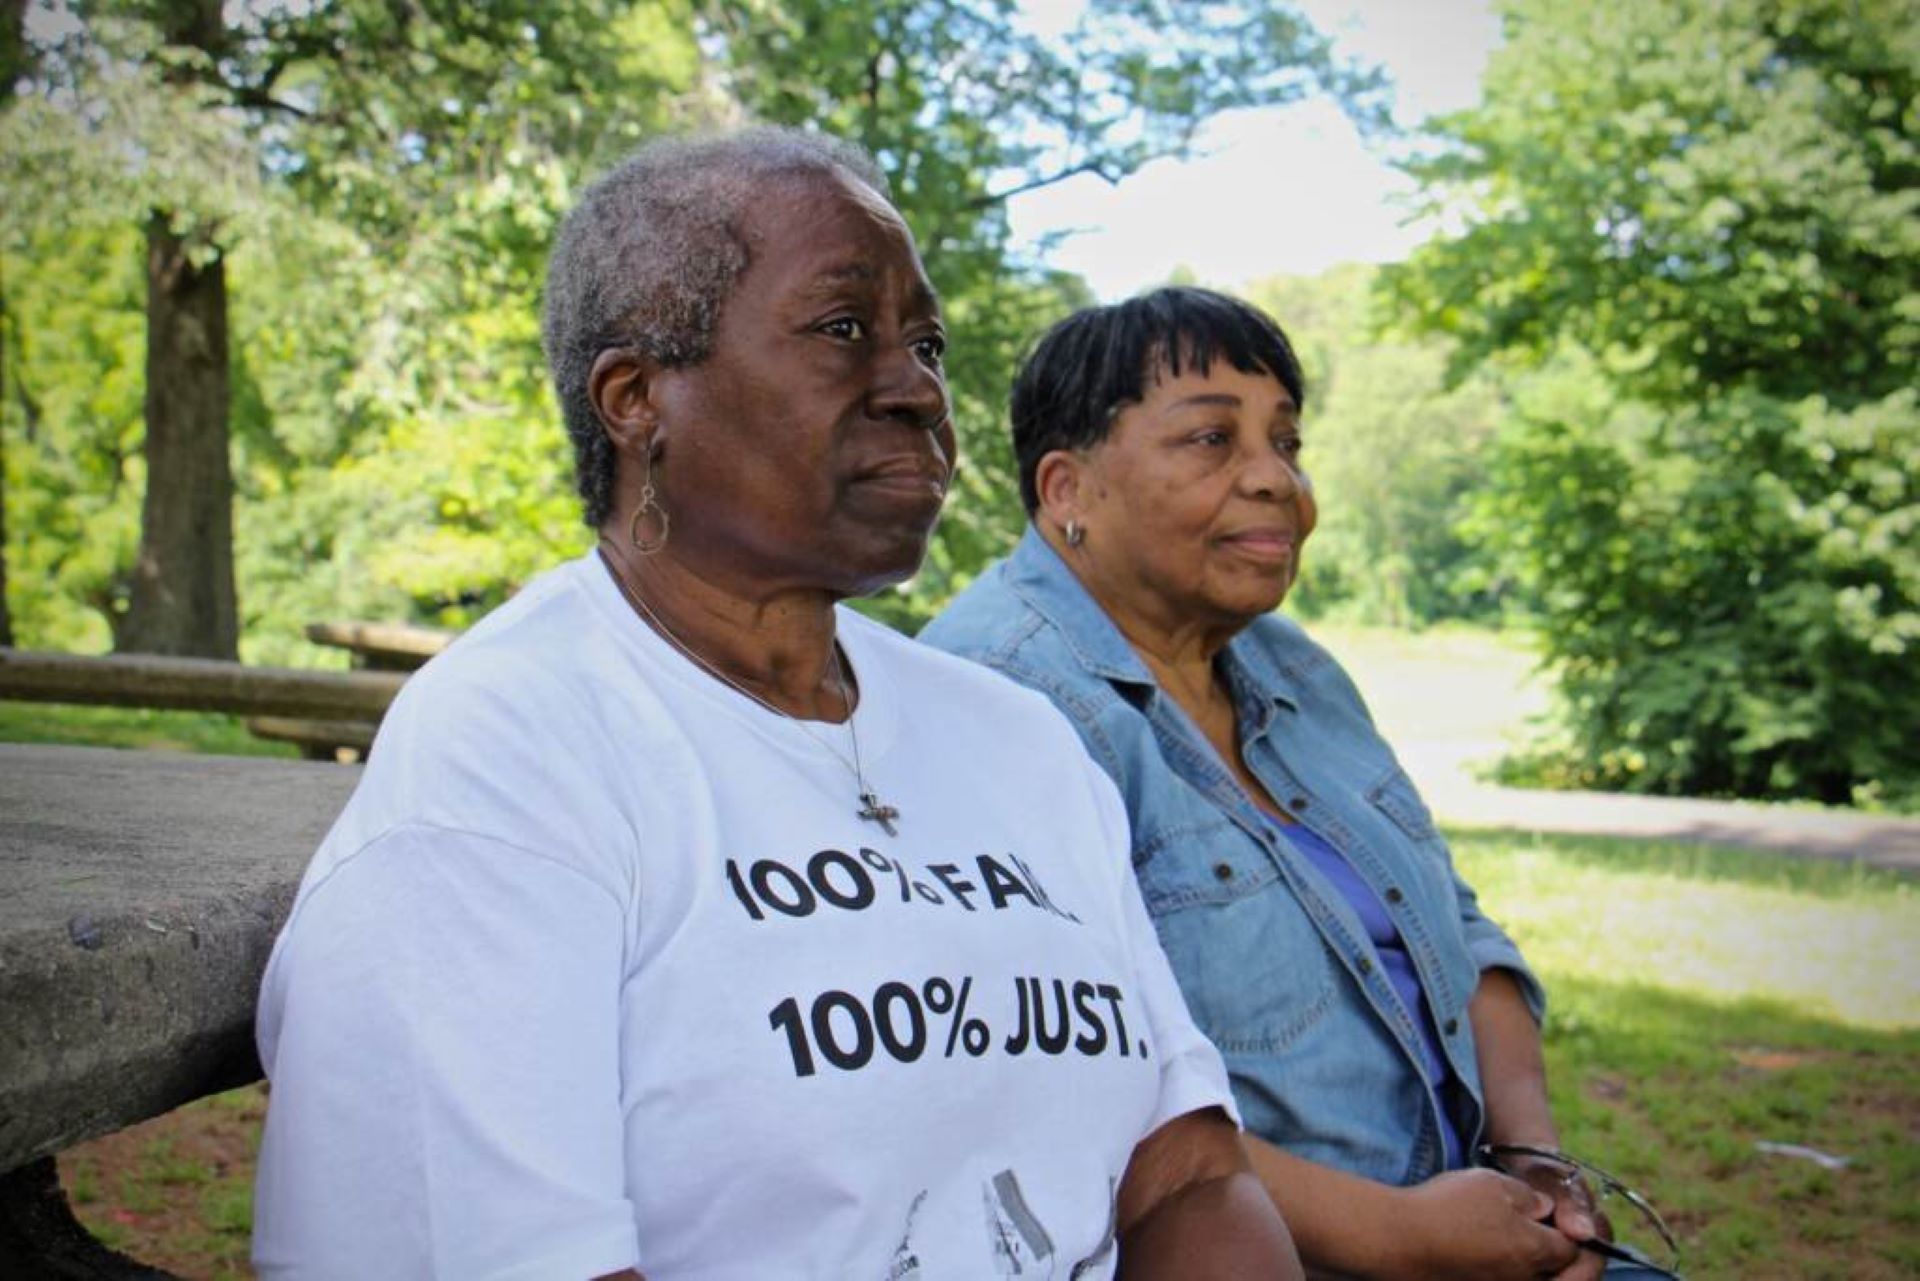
(1638, 1234)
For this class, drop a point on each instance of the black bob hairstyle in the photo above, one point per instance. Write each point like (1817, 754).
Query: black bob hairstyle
(1096, 362)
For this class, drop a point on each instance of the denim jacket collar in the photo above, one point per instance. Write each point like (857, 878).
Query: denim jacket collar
(1045, 582)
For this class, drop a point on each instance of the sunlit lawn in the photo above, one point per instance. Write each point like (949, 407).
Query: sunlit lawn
(1452, 682)
(1705, 1000)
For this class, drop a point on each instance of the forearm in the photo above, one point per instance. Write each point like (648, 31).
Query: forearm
(1191, 1206)
(1513, 1075)
(1343, 1225)
(1224, 1228)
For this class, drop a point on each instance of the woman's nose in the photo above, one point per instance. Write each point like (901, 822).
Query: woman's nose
(907, 388)
(1269, 473)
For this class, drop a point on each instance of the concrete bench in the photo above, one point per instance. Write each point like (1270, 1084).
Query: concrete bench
(140, 893)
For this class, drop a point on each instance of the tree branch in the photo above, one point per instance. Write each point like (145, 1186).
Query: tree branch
(1098, 167)
(260, 99)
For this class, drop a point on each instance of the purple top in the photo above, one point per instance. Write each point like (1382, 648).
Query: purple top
(1385, 937)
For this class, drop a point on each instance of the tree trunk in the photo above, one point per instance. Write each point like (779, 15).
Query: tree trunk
(6, 619)
(183, 595)
(13, 62)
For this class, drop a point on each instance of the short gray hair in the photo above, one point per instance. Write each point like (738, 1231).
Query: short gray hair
(649, 256)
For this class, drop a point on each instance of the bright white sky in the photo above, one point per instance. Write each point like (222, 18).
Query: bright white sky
(1291, 190)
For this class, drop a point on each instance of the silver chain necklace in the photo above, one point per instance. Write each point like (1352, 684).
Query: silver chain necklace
(872, 808)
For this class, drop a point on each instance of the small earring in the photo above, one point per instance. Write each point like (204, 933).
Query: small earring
(1076, 533)
(648, 505)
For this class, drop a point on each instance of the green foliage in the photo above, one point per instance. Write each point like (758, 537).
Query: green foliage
(1394, 454)
(1698, 220)
(1730, 594)
(74, 341)
(384, 182)
(1707, 193)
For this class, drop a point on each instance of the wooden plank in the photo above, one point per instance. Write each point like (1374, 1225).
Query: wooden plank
(197, 684)
(386, 646)
(324, 735)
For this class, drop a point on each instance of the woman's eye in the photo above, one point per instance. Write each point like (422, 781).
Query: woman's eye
(1291, 446)
(845, 327)
(932, 349)
(1213, 436)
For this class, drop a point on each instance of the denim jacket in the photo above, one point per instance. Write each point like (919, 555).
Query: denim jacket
(1274, 963)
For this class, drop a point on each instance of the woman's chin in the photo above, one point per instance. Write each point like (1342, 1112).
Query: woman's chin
(885, 568)
(1250, 596)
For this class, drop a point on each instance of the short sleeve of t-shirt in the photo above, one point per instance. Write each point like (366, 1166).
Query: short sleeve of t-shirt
(442, 1031)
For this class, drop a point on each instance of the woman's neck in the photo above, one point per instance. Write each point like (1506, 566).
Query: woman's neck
(1202, 692)
(776, 646)
(1179, 652)
(1181, 655)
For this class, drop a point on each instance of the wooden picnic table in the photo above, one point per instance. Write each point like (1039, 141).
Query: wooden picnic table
(382, 647)
(373, 647)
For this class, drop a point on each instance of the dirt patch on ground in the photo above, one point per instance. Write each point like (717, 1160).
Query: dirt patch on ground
(1761, 1059)
(175, 1192)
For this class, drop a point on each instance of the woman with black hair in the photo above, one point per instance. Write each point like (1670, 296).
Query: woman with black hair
(1378, 1028)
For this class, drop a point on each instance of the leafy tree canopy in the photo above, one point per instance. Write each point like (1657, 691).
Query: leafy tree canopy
(1706, 193)
(384, 181)
(1697, 219)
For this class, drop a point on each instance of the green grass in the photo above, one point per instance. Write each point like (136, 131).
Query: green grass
(1704, 1000)
(133, 727)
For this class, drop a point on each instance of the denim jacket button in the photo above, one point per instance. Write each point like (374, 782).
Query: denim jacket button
(1223, 871)
(1297, 804)
(1365, 966)
(1393, 894)
(1453, 1025)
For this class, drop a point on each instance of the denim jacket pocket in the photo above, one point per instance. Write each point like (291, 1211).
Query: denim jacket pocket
(1395, 796)
(1249, 959)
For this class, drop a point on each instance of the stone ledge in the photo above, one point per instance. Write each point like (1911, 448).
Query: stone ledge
(140, 893)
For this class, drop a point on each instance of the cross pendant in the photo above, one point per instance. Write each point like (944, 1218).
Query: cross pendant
(874, 810)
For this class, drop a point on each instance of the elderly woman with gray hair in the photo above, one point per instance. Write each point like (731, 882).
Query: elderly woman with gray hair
(686, 923)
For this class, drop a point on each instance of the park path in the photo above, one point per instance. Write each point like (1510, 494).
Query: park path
(1457, 798)
(1452, 703)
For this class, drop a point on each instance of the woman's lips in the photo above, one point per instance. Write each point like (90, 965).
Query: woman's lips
(914, 476)
(1272, 545)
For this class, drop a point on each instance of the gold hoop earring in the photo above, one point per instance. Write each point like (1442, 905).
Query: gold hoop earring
(1076, 533)
(648, 505)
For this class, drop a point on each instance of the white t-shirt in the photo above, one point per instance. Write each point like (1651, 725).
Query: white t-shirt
(601, 969)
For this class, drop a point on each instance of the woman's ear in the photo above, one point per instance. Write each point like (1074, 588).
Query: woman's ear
(621, 386)
(1056, 482)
